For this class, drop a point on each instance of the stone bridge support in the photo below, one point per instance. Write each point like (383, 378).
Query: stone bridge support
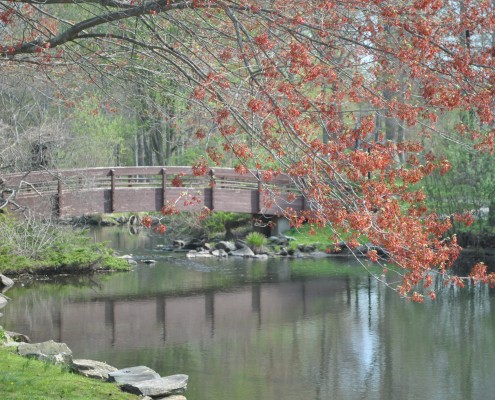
(271, 225)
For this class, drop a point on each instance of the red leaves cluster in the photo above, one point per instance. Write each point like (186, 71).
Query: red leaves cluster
(177, 180)
(320, 91)
(6, 16)
(200, 167)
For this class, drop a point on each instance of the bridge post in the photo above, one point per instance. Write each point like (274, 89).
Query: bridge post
(59, 198)
(164, 186)
(212, 188)
(260, 190)
(112, 190)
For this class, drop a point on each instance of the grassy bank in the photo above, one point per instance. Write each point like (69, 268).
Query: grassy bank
(24, 378)
(35, 247)
(305, 235)
(77, 259)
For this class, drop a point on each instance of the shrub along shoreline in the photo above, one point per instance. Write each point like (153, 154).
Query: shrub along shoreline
(36, 247)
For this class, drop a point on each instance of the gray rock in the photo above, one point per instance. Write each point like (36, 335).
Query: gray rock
(11, 345)
(306, 248)
(242, 252)
(219, 253)
(339, 247)
(178, 243)
(5, 282)
(132, 375)
(3, 300)
(166, 386)
(131, 261)
(194, 244)
(363, 250)
(227, 246)
(318, 254)
(17, 337)
(92, 369)
(295, 253)
(198, 253)
(50, 351)
(240, 244)
(148, 261)
(280, 241)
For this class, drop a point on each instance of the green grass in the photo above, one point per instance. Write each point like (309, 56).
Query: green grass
(78, 257)
(321, 237)
(23, 378)
(338, 267)
(256, 239)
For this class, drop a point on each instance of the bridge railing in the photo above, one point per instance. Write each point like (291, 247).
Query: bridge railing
(120, 189)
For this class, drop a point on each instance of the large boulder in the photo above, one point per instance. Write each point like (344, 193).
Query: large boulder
(132, 375)
(92, 369)
(242, 252)
(50, 351)
(155, 388)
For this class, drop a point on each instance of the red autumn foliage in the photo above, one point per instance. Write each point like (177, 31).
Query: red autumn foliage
(340, 96)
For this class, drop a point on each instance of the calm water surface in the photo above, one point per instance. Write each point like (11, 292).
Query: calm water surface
(276, 329)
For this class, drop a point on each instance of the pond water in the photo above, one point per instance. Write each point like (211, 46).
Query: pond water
(273, 329)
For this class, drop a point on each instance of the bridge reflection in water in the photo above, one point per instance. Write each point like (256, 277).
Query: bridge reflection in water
(152, 321)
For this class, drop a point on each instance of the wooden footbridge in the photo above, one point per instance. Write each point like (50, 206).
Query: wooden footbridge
(68, 193)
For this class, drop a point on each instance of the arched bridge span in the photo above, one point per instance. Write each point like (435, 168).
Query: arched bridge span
(66, 193)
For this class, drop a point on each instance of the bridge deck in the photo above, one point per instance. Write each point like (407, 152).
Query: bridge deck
(134, 189)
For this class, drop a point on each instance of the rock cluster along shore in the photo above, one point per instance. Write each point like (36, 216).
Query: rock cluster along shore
(140, 380)
(277, 246)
